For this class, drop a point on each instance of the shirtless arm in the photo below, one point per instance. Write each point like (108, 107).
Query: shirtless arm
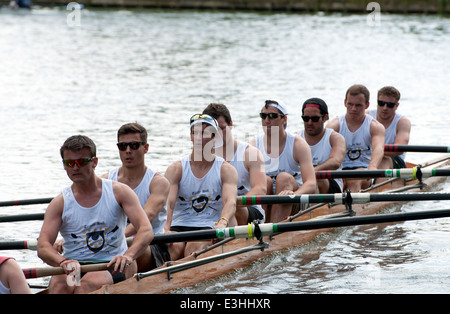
(173, 175)
(229, 191)
(159, 189)
(129, 201)
(377, 131)
(302, 155)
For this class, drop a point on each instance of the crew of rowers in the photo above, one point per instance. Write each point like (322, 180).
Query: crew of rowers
(95, 214)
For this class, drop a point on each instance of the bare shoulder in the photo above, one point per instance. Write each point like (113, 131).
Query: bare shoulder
(159, 183)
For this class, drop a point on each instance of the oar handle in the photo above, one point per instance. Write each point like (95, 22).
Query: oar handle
(38, 272)
(416, 148)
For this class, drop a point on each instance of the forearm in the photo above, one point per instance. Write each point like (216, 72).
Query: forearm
(141, 241)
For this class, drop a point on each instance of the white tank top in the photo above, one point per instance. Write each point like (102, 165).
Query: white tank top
(199, 200)
(284, 163)
(243, 175)
(95, 233)
(321, 151)
(359, 143)
(391, 131)
(3, 289)
(143, 193)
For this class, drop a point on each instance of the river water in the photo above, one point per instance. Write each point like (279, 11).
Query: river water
(160, 67)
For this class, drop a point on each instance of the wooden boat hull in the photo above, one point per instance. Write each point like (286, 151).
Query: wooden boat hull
(166, 282)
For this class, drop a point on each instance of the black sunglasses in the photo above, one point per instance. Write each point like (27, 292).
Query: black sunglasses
(133, 145)
(272, 115)
(387, 103)
(313, 118)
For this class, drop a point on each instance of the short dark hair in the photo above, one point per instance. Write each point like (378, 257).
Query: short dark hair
(217, 110)
(132, 128)
(358, 89)
(389, 91)
(78, 142)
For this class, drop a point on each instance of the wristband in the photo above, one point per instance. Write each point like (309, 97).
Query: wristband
(65, 259)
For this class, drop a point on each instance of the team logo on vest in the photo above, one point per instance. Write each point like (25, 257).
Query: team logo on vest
(199, 203)
(95, 239)
(356, 152)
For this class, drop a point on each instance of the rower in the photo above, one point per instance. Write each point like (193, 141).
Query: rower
(150, 186)
(398, 127)
(363, 134)
(91, 216)
(12, 279)
(327, 146)
(203, 188)
(284, 155)
(247, 160)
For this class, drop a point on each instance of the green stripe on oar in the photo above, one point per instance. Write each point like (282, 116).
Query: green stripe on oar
(405, 173)
(340, 198)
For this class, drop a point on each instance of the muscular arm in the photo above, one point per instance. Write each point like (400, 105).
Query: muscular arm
(135, 213)
(302, 155)
(337, 154)
(49, 232)
(229, 191)
(377, 131)
(402, 137)
(159, 190)
(173, 175)
(254, 163)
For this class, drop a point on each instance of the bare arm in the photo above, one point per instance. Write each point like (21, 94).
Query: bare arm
(254, 163)
(402, 137)
(173, 175)
(302, 155)
(49, 232)
(334, 124)
(159, 189)
(337, 154)
(129, 201)
(229, 191)
(378, 132)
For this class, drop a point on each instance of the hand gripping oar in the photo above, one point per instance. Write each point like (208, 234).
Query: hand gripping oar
(38, 272)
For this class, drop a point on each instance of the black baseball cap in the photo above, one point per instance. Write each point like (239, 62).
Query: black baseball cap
(317, 103)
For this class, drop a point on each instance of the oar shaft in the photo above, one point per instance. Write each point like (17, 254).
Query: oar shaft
(26, 202)
(340, 198)
(416, 148)
(25, 217)
(405, 173)
(52, 271)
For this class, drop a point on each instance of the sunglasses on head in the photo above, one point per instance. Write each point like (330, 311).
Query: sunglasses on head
(79, 162)
(200, 116)
(387, 103)
(133, 145)
(271, 115)
(313, 118)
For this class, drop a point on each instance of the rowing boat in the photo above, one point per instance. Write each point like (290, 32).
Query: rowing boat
(217, 261)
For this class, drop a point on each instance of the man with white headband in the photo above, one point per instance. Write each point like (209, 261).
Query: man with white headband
(203, 188)
(288, 161)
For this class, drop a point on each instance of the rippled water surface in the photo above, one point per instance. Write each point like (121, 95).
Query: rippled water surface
(160, 67)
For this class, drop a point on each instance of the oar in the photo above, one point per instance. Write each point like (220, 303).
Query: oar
(341, 198)
(38, 272)
(416, 148)
(24, 217)
(405, 173)
(26, 202)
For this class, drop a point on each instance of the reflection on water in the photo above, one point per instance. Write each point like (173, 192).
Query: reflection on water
(160, 67)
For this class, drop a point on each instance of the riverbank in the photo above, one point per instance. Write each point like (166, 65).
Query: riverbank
(351, 6)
